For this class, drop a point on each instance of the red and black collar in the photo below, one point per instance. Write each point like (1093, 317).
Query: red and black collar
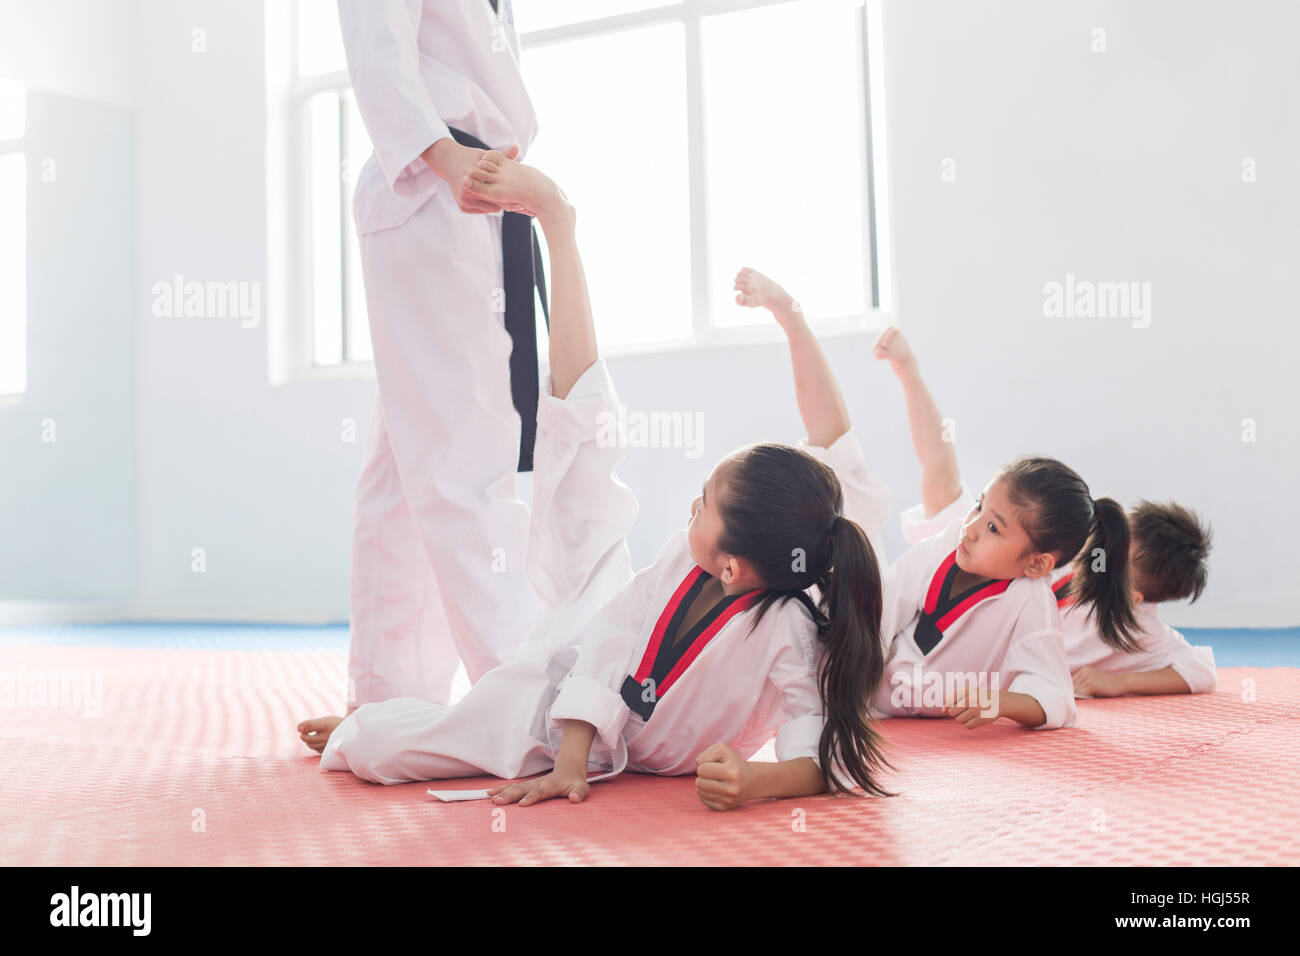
(668, 655)
(941, 612)
(1061, 589)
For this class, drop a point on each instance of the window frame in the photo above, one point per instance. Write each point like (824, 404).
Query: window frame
(877, 269)
(300, 94)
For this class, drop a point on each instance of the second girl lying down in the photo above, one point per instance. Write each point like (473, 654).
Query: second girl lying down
(1110, 649)
(690, 665)
(984, 579)
(970, 622)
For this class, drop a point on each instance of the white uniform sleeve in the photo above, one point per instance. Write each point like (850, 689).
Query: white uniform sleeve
(581, 512)
(794, 675)
(1196, 666)
(1161, 647)
(592, 690)
(379, 38)
(1168, 648)
(1036, 663)
(917, 527)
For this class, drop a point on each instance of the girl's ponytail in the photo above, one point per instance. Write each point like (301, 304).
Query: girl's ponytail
(777, 501)
(1101, 576)
(854, 663)
(1062, 520)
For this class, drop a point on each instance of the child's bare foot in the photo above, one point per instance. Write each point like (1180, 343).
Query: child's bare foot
(315, 733)
(891, 345)
(753, 289)
(516, 186)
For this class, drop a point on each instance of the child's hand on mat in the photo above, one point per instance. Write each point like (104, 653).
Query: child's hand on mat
(1095, 683)
(557, 783)
(722, 778)
(971, 707)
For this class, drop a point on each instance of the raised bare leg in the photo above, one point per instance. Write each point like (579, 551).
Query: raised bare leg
(821, 404)
(940, 479)
(522, 188)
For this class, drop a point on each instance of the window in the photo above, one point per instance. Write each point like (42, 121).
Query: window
(316, 146)
(694, 137)
(335, 147)
(699, 137)
(13, 238)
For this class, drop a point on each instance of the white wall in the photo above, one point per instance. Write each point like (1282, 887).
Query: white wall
(67, 444)
(78, 48)
(1112, 166)
(254, 475)
(1117, 165)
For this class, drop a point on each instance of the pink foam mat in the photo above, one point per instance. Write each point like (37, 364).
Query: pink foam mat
(193, 759)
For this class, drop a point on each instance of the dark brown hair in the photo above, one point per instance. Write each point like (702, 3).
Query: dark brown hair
(1062, 519)
(1170, 548)
(782, 512)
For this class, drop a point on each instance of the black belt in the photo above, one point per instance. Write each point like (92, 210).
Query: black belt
(521, 257)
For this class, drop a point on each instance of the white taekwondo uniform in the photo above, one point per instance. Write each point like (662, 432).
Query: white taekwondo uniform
(1008, 628)
(438, 563)
(656, 704)
(1161, 645)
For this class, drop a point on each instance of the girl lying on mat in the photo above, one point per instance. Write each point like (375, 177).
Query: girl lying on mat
(1112, 646)
(695, 662)
(970, 623)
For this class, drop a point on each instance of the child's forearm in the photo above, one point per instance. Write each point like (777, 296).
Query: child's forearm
(575, 746)
(1164, 681)
(1021, 708)
(789, 778)
(821, 404)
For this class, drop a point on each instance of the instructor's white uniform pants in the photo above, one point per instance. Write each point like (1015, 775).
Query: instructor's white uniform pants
(438, 551)
(578, 561)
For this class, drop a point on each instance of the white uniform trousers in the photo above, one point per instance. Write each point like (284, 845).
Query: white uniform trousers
(578, 561)
(438, 555)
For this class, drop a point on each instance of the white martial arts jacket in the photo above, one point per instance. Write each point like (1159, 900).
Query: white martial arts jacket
(1008, 629)
(743, 687)
(1162, 646)
(733, 687)
(417, 67)
(736, 687)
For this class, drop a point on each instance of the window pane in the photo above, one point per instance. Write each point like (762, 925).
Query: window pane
(13, 109)
(879, 151)
(323, 211)
(358, 150)
(785, 160)
(541, 14)
(320, 42)
(612, 114)
(13, 273)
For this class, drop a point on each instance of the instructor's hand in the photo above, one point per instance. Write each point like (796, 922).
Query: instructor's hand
(451, 161)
